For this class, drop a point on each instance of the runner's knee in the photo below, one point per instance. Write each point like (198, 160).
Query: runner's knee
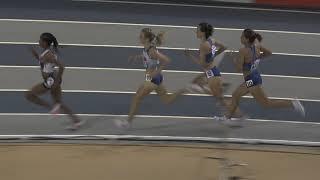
(138, 96)
(235, 96)
(265, 103)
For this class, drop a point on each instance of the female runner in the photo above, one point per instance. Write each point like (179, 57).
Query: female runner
(247, 63)
(48, 59)
(154, 62)
(212, 76)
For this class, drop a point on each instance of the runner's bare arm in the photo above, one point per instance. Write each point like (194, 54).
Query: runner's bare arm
(239, 60)
(34, 53)
(265, 52)
(52, 58)
(221, 47)
(164, 60)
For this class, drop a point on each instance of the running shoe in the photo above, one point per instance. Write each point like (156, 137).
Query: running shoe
(299, 107)
(230, 122)
(76, 125)
(122, 123)
(55, 110)
(220, 118)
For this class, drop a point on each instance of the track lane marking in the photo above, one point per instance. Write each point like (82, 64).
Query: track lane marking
(160, 117)
(169, 71)
(152, 25)
(140, 47)
(202, 6)
(133, 92)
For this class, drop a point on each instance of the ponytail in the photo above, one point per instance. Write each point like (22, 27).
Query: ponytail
(156, 40)
(251, 35)
(159, 38)
(207, 29)
(51, 40)
(55, 43)
(258, 37)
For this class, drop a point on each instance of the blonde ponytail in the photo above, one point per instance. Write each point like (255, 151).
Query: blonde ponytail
(159, 38)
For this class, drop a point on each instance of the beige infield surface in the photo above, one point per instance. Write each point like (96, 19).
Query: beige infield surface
(138, 162)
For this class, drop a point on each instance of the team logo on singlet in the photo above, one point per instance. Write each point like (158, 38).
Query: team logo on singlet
(213, 50)
(255, 64)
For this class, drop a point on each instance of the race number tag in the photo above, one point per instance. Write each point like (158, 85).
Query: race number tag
(49, 82)
(148, 77)
(249, 83)
(209, 74)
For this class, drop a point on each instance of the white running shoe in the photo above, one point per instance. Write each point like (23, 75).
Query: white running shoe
(299, 107)
(76, 125)
(229, 122)
(122, 123)
(220, 119)
(236, 122)
(56, 109)
(194, 88)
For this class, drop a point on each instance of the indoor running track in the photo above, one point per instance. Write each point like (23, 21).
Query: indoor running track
(98, 38)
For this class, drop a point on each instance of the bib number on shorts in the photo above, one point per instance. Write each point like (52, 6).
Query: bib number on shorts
(148, 77)
(249, 83)
(209, 74)
(49, 82)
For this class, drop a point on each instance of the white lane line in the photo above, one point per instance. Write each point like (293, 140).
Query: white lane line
(202, 6)
(163, 138)
(140, 47)
(169, 71)
(162, 117)
(133, 92)
(151, 25)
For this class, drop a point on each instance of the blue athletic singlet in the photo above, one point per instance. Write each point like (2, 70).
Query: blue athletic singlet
(151, 64)
(254, 78)
(209, 59)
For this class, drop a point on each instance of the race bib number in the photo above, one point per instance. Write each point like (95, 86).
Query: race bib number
(209, 74)
(148, 77)
(49, 82)
(249, 83)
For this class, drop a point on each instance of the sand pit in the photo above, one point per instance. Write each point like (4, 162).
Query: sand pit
(136, 162)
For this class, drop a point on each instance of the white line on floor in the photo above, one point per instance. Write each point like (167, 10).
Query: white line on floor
(169, 71)
(133, 92)
(140, 47)
(164, 138)
(202, 6)
(151, 25)
(161, 117)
